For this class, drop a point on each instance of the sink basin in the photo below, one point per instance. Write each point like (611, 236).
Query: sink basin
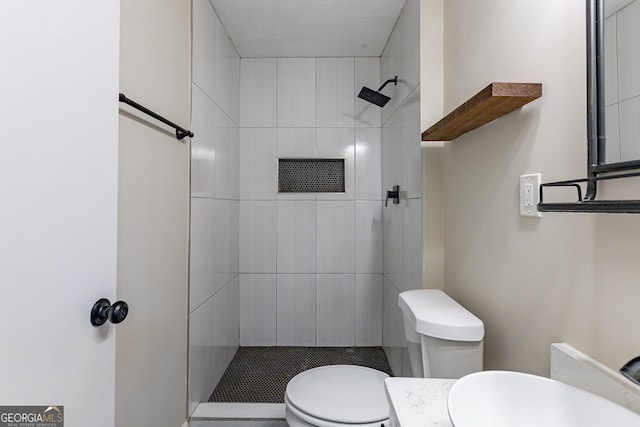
(514, 399)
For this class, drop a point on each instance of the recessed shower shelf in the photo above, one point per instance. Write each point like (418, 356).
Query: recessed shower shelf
(490, 103)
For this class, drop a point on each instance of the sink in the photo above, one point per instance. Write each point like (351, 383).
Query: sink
(514, 399)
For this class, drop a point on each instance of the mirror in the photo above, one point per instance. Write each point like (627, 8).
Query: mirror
(613, 107)
(620, 147)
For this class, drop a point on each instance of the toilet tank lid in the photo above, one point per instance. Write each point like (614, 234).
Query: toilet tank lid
(432, 312)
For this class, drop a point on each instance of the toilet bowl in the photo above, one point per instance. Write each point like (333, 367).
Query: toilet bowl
(337, 396)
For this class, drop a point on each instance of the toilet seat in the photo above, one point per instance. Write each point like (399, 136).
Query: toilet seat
(338, 395)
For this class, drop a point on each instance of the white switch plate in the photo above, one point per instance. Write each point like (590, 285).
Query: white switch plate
(530, 195)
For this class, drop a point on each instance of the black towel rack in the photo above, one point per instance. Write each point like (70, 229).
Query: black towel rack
(180, 131)
(584, 204)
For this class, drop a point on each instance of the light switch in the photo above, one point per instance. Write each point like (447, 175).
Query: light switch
(530, 195)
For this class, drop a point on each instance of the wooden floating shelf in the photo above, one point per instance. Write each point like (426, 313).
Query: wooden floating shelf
(492, 102)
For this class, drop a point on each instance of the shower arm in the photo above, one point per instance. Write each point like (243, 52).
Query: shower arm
(393, 80)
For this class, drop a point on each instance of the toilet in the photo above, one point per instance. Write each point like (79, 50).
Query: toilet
(444, 341)
(443, 338)
(336, 396)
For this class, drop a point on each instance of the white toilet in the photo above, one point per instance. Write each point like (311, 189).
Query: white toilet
(445, 341)
(337, 396)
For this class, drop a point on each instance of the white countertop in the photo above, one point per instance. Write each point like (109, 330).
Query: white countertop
(419, 402)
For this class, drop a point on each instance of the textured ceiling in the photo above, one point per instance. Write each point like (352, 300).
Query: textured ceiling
(308, 28)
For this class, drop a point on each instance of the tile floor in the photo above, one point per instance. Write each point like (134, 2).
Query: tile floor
(261, 374)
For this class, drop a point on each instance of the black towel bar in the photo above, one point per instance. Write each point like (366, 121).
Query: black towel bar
(180, 131)
(583, 204)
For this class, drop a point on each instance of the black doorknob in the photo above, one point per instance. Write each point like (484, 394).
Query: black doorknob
(118, 312)
(103, 310)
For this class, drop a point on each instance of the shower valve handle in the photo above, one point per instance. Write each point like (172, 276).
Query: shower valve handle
(394, 195)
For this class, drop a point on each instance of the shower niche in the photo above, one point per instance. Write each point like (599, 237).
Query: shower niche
(303, 175)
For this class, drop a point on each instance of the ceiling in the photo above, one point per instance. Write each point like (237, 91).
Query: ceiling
(308, 28)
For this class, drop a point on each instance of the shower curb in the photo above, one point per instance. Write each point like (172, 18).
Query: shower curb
(238, 411)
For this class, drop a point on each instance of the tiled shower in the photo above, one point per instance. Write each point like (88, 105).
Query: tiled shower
(213, 276)
(307, 269)
(308, 275)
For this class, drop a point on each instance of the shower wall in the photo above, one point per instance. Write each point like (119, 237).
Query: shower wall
(299, 269)
(213, 289)
(310, 264)
(401, 165)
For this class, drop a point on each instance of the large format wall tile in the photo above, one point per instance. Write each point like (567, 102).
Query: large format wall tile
(227, 153)
(297, 142)
(258, 163)
(368, 245)
(338, 143)
(203, 145)
(367, 74)
(201, 355)
(368, 173)
(296, 241)
(335, 237)
(296, 309)
(296, 92)
(213, 340)
(257, 309)
(204, 46)
(258, 97)
(335, 87)
(368, 309)
(214, 247)
(335, 300)
(257, 237)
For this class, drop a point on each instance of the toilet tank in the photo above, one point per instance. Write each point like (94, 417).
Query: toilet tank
(444, 339)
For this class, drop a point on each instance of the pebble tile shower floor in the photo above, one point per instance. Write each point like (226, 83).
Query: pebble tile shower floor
(261, 374)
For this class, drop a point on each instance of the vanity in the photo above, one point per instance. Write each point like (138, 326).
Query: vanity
(418, 402)
(581, 392)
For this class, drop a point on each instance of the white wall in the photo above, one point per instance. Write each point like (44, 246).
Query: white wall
(431, 110)
(563, 277)
(401, 165)
(432, 218)
(431, 62)
(214, 291)
(310, 263)
(153, 214)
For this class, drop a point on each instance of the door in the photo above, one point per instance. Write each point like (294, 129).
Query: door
(58, 205)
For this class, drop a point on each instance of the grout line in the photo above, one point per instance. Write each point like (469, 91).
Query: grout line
(277, 118)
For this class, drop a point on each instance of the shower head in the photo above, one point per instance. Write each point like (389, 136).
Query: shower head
(375, 97)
